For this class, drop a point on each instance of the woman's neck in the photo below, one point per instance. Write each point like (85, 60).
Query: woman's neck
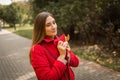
(52, 37)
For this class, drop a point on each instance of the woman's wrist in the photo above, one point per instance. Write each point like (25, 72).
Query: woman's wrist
(62, 59)
(62, 56)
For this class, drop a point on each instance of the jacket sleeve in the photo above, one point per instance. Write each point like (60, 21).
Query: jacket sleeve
(42, 67)
(74, 61)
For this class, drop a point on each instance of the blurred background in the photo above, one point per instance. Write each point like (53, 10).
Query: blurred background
(93, 25)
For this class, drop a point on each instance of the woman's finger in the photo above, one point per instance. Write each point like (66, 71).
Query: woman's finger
(60, 43)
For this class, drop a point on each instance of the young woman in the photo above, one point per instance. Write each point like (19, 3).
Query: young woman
(50, 55)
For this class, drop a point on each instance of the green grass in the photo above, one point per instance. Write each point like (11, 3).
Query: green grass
(25, 31)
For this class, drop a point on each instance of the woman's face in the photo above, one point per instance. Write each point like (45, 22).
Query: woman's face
(50, 27)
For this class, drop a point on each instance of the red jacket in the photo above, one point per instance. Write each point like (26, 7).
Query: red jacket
(44, 61)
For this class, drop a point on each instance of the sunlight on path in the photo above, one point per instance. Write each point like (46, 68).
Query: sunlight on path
(26, 76)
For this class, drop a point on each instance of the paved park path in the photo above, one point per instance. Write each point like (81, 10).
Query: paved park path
(14, 62)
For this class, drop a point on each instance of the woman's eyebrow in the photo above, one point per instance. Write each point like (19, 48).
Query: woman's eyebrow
(50, 22)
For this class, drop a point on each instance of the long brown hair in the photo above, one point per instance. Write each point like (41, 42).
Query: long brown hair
(39, 27)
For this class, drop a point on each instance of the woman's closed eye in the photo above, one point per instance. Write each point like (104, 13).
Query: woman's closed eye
(49, 24)
(54, 22)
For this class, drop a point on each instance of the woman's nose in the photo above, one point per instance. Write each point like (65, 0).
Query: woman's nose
(53, 26)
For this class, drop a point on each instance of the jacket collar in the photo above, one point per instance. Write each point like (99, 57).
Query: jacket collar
(47, 39)
(55, 40)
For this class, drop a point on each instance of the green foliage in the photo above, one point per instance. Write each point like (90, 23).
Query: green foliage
(110, 12)
(12, 14)
(68, 11)
(37, 5)
(15, 13)
(3, 12)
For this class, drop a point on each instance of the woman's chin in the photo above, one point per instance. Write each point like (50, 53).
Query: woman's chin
(54, 34)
